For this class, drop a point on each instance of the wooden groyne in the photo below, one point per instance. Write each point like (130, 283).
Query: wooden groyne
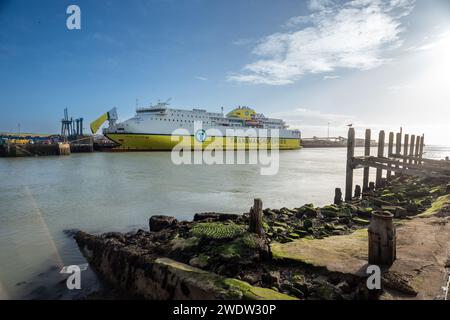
(411, 162)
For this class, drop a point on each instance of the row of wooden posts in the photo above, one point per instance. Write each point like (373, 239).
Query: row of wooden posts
(410, 162)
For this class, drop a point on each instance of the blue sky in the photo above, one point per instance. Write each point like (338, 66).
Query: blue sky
(378, 63)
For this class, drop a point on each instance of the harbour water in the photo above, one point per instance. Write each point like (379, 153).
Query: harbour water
(43, 198)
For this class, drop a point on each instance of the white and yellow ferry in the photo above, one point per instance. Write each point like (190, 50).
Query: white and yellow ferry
(159, 127)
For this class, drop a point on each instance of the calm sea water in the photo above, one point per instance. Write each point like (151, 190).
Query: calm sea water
(99, 192)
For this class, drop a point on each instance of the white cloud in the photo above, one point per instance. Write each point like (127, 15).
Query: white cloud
(314, 5)
(331, 77)
(353, 35)
(201, 78)
(438, 40)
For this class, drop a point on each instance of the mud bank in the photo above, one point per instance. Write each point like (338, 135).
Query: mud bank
(216, 257)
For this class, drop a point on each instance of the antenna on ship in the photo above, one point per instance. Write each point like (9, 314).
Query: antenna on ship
(221, 108)
(137, 103)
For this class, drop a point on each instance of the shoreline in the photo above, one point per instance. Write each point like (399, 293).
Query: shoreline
(220, 246)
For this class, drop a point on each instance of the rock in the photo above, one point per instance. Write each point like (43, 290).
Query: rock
(328, 213)
(294, 235)
(360, 221)
(299, 282)
(293, 291)
(447, 190)
(200, 261)
(269, 213)
(158, 223)
(307, 224)
(271, 279)
(398, 212)
(327, 291)
(344, 287)
(251, 278)
(422, 192)
(307, 211)
(214, 216)
(389, 197)
(412, 208)
(365, 213)
(287, 211)
(396, 281)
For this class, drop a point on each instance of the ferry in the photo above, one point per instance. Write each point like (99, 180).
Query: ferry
(159, 127)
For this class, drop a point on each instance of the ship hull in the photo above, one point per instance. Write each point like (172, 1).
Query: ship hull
(161, 142)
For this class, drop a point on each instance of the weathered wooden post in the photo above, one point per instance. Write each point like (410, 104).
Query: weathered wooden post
(398, 147)
(416, 153)
(382, 239)
(405, 150)
(337, 196)
(357, 191)
(349, 173)
(390, 151)
(421, 148)
(255, 218)
(366, 154)
(411, 148)
(379, 172)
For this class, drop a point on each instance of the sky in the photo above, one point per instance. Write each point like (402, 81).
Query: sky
(377, 64)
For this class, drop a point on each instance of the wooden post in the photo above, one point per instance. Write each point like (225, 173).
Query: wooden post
(255, 223)
(405, 150)
(337, 196)
(382, 239)
(357, 191)
(390, 151)
(398, 147)
(349, 173)
(411, 148)
(416, 153)
(421, 148)
(398, 143)
(379, 172)
(366, 154)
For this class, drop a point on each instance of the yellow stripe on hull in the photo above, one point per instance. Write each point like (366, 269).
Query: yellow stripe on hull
(143, 142)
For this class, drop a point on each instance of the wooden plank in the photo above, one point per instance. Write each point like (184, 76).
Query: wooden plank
(405, 148)
(416, 153)
(424, 160)
(421, 148)
(391, 162)
(349, 170)
(390, 151)
(411, 149)
(412, 172)
(379, 171)
(398, 145)
(366, 153)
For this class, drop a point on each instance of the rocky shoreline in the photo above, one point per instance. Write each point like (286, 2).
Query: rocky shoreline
(216, 257)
